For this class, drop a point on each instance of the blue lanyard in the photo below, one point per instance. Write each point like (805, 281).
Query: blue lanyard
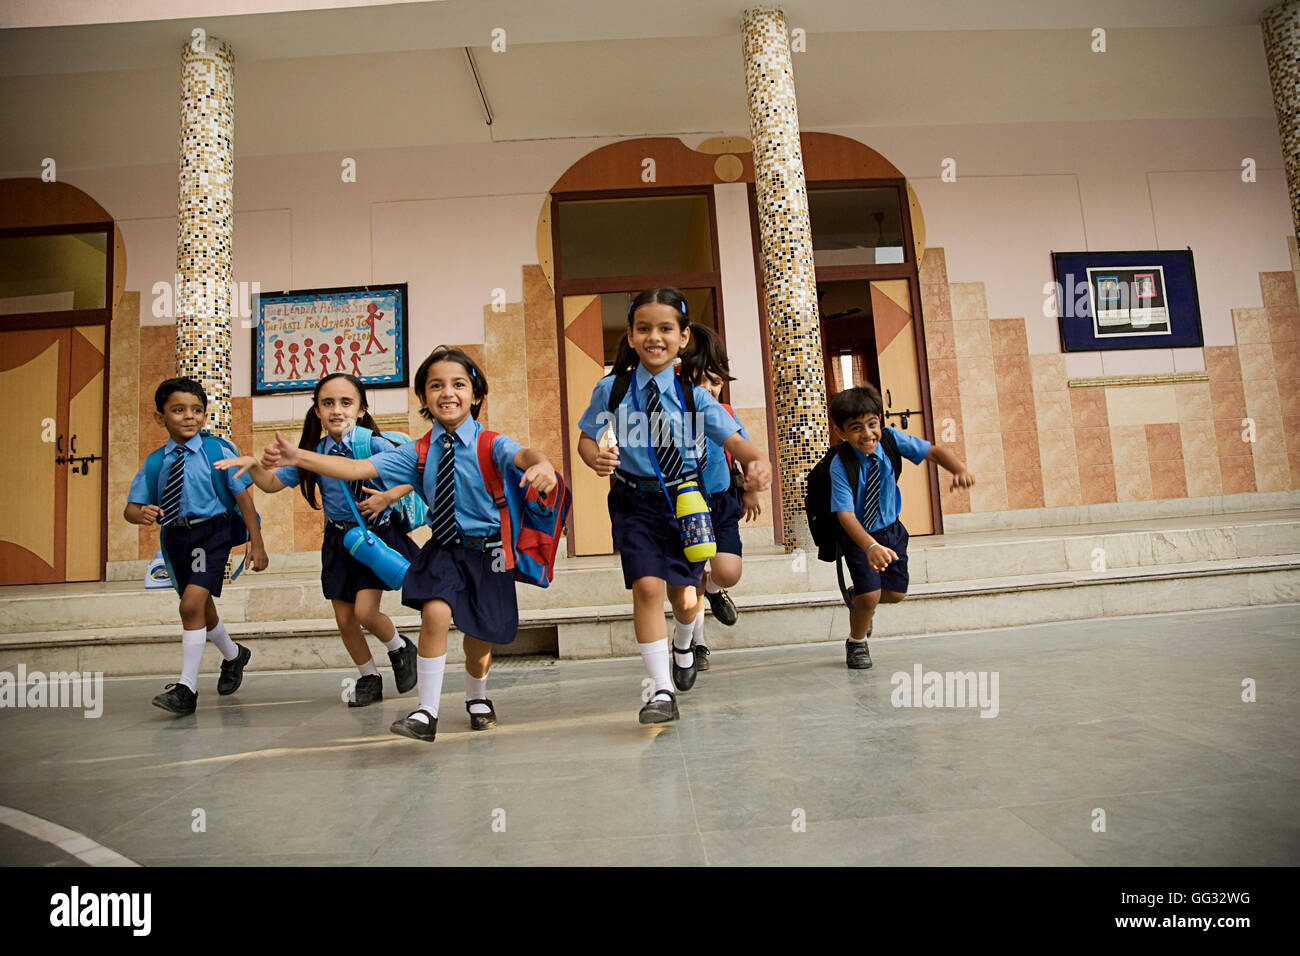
(654, 459)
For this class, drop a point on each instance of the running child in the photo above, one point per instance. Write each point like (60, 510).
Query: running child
(338, 407)
(656, 450)
(707, 366)
(188, 498)
(458, 576)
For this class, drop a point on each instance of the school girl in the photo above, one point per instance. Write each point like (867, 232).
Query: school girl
(707, 365)
(338, 406)
(655, 452)
(458, 576)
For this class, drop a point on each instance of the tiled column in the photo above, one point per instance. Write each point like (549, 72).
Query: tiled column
(204, 222)
(1282, 49)
(798, 379)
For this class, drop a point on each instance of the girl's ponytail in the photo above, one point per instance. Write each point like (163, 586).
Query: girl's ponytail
(707, 356)
(311, 430)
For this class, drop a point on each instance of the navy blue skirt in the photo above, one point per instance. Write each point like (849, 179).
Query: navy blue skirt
(482, 600)
(647, 538)
(343, 576)
(198, 555)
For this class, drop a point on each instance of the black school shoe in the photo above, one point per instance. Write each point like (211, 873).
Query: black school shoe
(416, 729)
(683, 677)
(724, 609)
(232, 672)
(178, 699)
(369, 689)
(660, 711)
(481, 721)
(857, 655)
(404, 674)
(701, 657)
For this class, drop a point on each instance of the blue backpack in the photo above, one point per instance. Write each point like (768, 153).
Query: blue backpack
(215, 448)
(411, 506)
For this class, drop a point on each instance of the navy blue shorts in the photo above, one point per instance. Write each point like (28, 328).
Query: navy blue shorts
(894, 577)
(726, 510)
(342, 576)
(482, 601)
(647, 538)
(212, 541)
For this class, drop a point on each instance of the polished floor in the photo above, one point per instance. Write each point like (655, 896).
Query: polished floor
(782, 756)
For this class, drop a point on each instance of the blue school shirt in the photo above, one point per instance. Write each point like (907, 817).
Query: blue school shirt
(891, 499)
(633, 432)
(198, 499)
(476, 515)
(717, 474)
(334, 493)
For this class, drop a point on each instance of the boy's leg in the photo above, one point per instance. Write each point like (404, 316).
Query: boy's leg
(478, 660)
(369, 688)
(864, 609)
(182, 697)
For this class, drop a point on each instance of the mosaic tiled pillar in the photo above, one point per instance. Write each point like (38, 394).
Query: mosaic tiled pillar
(205, 221)
(798, 379)
(1282, 49)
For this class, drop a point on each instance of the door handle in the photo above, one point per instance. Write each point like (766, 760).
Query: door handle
(72, 444)
(889, 400)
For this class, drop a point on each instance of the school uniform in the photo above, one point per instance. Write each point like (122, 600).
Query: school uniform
(883, 524)
(197, 539)
(469, 572)
(342, 576)
(726, 506)
(645, 528)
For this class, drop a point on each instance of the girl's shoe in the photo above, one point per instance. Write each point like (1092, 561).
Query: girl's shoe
(178, 699)
(369, 689)
(481, 721)
(701, 657)
(660, 711)
(724, 609)
(403, 660)
(416, 729)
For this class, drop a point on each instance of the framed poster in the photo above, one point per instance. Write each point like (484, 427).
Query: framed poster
(305, 335)
(1127, 300)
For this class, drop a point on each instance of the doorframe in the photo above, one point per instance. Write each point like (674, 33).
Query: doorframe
(71, 318)
(628, 283)
(908, 269)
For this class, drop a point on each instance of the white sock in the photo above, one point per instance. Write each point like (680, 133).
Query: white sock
(709, 585)
(429, 671)
(224, 644)
(682, 636)
(476, 689)
(655, 658)
(192, 656)
(368, 669)
(396, 644)
(697, 634)
(857, 640)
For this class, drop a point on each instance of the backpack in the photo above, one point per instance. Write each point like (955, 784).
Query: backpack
(823, 524)
(411, 507)
(215, 448)
(531, 525)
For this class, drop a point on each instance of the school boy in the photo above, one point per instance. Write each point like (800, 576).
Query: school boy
(197, 536)
(874, 539)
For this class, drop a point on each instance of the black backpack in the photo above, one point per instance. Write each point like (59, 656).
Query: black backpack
(823, 524)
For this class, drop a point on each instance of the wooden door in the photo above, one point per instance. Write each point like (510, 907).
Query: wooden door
(51, 518)
(584, 366)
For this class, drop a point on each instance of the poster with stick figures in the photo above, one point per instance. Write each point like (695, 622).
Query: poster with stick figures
(303, 335)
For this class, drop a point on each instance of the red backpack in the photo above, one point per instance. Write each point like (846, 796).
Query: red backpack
(531, 524)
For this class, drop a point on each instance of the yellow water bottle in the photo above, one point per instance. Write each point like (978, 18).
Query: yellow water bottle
(695, 523)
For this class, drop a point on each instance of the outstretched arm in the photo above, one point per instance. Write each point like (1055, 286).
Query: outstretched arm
(758, 473)
(247, 464)
(256, 549)
(537, 468)
(944, 457)
(284, 452)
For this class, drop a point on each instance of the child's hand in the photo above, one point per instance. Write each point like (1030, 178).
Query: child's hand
(880, 557)
(962, 479)
(753, 505)
(243, 463)
(374, 505)
(278, 453)
(758, 475)
(257, 557)
(606, 462)
(150, 514)
(541, 476)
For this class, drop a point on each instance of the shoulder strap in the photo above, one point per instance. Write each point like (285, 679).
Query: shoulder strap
(152, 472)
(851, 467)
(890, 444)
(214, 449)
(422, 452)
(361, 441)
(688, 398)
(496, 489)
(619, 389)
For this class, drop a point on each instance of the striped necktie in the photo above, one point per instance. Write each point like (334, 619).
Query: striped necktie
(354, 487)
(445, 530)
(661, 436)
(171, 496)
(871, 500)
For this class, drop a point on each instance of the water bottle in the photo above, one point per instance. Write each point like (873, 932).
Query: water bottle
(695, 523)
